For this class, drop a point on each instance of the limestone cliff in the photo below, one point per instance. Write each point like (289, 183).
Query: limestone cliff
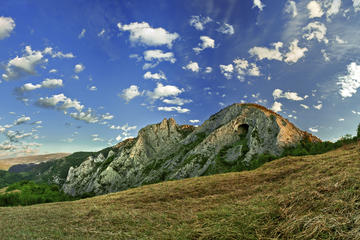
(165, 151)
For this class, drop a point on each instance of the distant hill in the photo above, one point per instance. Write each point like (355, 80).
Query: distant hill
(5, 164)
(306, 197)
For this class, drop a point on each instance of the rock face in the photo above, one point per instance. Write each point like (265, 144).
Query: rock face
(226, 141)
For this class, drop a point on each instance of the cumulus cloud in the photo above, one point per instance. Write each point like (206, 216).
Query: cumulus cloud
(156, 76)
(194, 121)
(207, 42)
(192, 66)
(87, 116)
(291, 8)
(107, 116)
(59, 54)
(208, 70)
(339, 40)
(318, 107)
(79, 68)
(51, 102)
(7, 25)
(177, 101)
(47, 83)
(125, 128)
(304, 106)
(316, 30)
(258, 4)
(334, 8)
(157, 56)
(22, 66)
(82, 34)
(93, 88)
(53, 71)
(198, 22)
(243, 68)
(295, 52)
(276, 107)
(315, 130)
(266, 53)
(22, 120)
(143, 33)
(350, 82)
(226, 29)
(315, 10)
(278, 93)
(162, 91)
(227, 70)
(173, 109)
(356, 5)
(130, 93)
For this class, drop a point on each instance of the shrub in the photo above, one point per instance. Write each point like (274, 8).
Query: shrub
(358, 131)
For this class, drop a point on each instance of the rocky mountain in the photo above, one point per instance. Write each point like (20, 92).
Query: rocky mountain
(228, 141)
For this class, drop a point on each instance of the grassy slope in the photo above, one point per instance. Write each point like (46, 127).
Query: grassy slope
(312, 197)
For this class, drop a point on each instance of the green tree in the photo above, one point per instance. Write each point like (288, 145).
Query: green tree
(358, 131)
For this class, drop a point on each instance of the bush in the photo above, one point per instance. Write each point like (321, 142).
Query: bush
(28, 193)
(358, 131)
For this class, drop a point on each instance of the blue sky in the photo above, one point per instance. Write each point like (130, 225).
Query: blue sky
(84, 75)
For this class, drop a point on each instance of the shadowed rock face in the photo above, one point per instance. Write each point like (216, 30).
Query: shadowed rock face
(168, 151)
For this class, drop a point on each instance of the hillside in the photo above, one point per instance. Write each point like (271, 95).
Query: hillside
(5, 164)
(309, 197)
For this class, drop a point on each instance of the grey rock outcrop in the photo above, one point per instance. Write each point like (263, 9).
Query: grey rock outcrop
(165, 151)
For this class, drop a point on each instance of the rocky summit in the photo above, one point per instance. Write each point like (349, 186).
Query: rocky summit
(228, 140)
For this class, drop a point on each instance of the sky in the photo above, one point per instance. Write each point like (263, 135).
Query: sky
(82, 75)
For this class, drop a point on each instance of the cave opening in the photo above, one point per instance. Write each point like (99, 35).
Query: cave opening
(243, 129)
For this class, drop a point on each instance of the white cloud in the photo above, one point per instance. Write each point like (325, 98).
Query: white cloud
(243, 68)
(227, 70)
(208, 70)
(82, 34)
(101, 33)
(295, 52)
(226, 29)
(177, 101)
(258, 4)
(341, 119)
(79, 68)
(316, 30)
(192, 66)
(130, 93)
(59, 54)
(107, 116)
(29, 87)
(315, 130)
(318, 107)
(52, 83)
(198, 22)
(334, 8)
(339, 40)
(7, 25)
(304, 106)
(125, 128)
(266, 53)
(356, 5)
(278, 93)
(173, 109)
(315, 10)
(87, 116)
(325, 56)
(93, 88)
(22, 66)
(351, 82)
(157, 56)
(194, 121)
(22, 120)
(156, 76)
(291, 8)
(207, 42)
(145, 34)
(53, 71)
(51, 102)
(164, 91)
(276, 107)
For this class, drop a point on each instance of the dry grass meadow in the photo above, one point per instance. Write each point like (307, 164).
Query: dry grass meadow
(311, 197)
